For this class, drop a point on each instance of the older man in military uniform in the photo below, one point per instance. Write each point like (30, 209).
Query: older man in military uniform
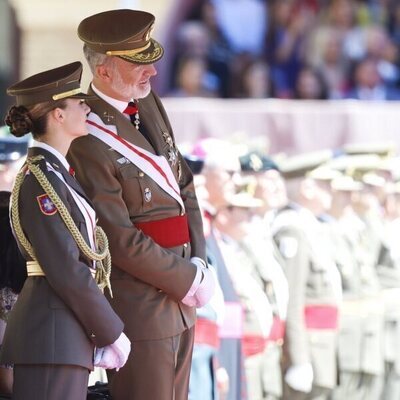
(143, 193)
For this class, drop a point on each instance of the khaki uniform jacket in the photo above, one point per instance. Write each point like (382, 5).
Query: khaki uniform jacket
(360, 342)
(148, 280)
(309, 272)
(59, 318)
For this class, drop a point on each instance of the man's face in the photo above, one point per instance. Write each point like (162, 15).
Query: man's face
(131, 81)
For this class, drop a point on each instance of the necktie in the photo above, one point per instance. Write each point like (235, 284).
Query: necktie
(133, 111)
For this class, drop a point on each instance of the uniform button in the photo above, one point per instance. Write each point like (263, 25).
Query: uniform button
(182, 213)
(92, 335)
(159, 290)
(141, 174)
(185, 245)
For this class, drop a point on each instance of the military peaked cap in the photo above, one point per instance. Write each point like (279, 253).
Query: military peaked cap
(12, 149)
(54, 84)
(256, 162)
(123, 33)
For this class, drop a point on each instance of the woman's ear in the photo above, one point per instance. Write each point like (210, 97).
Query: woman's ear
(57, 115)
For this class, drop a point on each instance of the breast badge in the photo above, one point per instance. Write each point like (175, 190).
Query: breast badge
(47, 207)
(147, 195)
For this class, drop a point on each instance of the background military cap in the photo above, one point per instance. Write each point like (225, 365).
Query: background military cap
(352, 164)
(55, 84)
(373, 179)
(12, 149)
(297, 166)
(195, 163)
(323, 173)
(124, 33)
(346, 183)
(382, 149)
(244, 200)
(255, 161)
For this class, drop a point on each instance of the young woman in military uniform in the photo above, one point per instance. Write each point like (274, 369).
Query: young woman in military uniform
(61, 314)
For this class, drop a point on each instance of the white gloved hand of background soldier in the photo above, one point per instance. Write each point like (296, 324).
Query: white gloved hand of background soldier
(300, 377)
(114, 355)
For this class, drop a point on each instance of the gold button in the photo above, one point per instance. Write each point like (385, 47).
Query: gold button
(141, 174)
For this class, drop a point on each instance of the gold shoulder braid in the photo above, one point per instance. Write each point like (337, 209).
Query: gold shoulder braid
(101, 256)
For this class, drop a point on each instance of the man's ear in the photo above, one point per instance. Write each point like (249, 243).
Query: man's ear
(103, 72)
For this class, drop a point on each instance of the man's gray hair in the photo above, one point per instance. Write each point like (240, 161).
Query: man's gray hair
(94, 58)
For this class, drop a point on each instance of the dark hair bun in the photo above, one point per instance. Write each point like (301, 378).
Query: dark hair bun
(19, 121)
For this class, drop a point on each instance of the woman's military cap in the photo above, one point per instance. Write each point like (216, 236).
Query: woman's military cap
(123, 33)
(52, 85)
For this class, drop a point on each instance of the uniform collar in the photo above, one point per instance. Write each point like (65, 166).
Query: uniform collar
(53, 151)
(118, 104)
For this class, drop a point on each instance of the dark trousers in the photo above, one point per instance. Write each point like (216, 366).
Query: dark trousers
(156, 369)
(50, 382)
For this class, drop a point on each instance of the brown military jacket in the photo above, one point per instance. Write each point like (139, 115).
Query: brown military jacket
(148, 280)
(59, 318)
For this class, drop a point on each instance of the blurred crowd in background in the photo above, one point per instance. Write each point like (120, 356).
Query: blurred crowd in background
(296, 49)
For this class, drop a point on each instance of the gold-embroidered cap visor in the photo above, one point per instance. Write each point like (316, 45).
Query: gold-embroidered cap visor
(150, 55)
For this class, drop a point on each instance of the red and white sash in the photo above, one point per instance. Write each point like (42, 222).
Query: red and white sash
(156, 167)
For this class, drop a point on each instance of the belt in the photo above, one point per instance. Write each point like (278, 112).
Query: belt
(167, 232)
(206, 332)
(34, 269)
(253, 344)
(321, 317)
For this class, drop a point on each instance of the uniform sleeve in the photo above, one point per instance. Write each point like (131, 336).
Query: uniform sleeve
(188, 193)
(131, 250)
(59, 257)
(294, 249)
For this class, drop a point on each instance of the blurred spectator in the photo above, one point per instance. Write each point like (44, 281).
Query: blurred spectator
(368, 84)
(251, 79)
(285, 44)
(310, 85)
(192, 79)
(202, 37)
(331, 63)
(233, 16)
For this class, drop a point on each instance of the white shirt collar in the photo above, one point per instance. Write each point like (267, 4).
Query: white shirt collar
(118, 104)
(53, 151)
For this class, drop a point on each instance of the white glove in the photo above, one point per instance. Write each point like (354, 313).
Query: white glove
(300, 377)
(206, 288)
(205, 281)
(113, 355)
